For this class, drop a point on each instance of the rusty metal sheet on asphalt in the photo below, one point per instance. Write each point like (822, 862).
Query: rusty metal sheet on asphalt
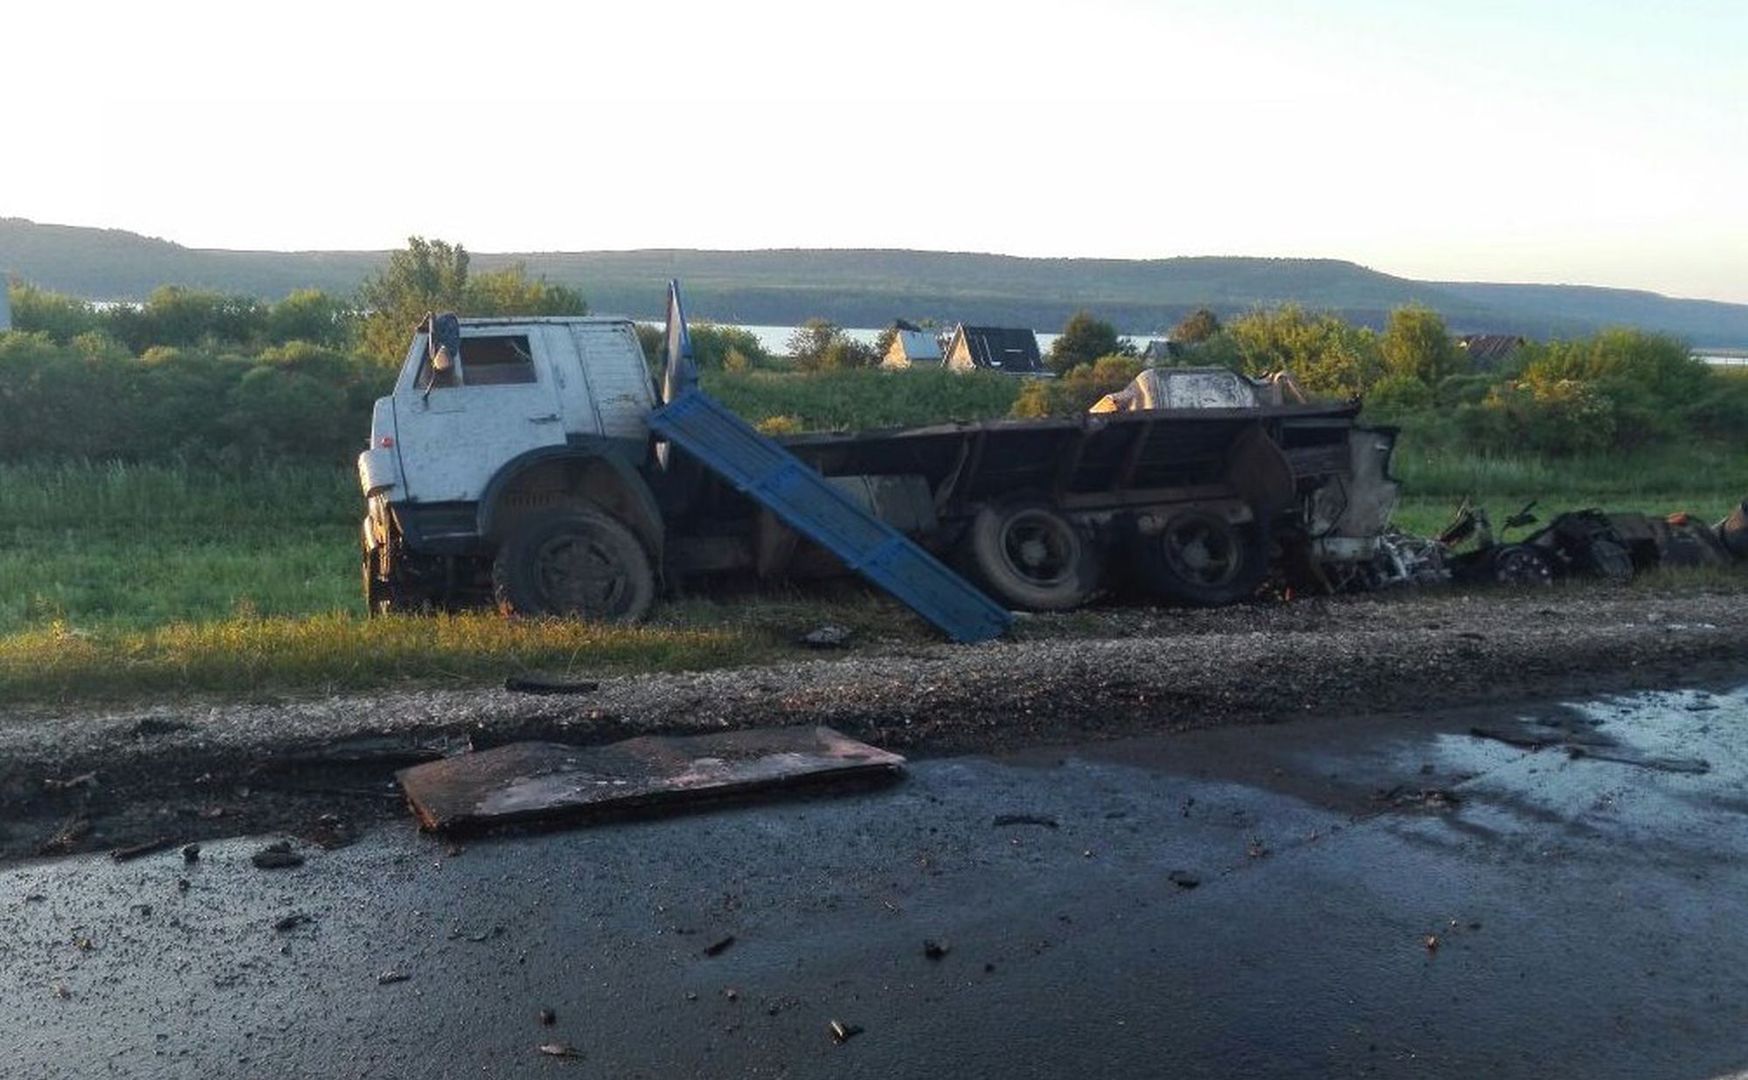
(539, 780)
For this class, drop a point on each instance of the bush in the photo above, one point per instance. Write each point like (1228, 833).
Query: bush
(1076, 391)
(1328, 357)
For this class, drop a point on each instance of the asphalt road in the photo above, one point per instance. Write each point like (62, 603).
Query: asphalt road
(1391, 896)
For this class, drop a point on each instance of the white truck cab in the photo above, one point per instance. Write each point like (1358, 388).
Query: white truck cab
(494, 418)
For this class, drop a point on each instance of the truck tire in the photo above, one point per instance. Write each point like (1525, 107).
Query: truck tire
(574, 561)
(1029, 556)
(1202, 559)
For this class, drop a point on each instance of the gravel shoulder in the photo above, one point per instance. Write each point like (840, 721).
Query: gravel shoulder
(187, 767)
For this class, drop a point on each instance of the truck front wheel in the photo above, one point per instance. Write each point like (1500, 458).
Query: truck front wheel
(1030, 556)
(573, 561)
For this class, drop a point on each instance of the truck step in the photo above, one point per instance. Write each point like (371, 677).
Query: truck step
(728, 446)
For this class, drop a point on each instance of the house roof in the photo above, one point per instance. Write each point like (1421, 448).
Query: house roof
(1002, 348)
(1488, 349)
(918, 345)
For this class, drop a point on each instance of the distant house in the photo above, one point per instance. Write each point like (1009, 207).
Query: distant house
(995, 348)
(1487, 352)
(912, 348)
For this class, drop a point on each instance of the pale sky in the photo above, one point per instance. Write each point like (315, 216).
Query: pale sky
(1589, 142)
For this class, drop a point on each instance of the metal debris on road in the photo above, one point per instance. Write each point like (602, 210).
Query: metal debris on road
(538, 780)
(392, 976)
(124, 854)
(67, 837)
(717, 948)
(83, 780)
(560, 1050)
(829, 636)
(842, 1032)
(277, 856)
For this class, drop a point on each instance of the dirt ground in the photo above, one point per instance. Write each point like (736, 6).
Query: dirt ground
(88, 778)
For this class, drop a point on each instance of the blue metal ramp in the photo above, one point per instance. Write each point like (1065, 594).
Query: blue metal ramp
(728, 446)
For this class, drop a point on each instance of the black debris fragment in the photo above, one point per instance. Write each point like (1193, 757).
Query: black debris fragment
(292, 921)
(135, 851)
(1183, 879)
(190, 853)
(1004, 820)
(718, 947)
(548, 1017)
(934, 950)
(277, 856)
(549, 684)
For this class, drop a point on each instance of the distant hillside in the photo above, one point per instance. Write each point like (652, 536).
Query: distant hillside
(870, 288)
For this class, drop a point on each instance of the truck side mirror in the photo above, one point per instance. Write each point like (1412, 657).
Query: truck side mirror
(444, 342)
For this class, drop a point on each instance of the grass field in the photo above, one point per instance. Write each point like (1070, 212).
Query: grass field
(118, 580)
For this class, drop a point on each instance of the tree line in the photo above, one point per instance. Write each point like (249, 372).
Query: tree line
(208, 376)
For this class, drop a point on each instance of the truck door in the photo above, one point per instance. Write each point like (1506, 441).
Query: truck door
(456, 428)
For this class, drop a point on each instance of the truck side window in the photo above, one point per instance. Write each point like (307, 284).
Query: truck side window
(498, 360)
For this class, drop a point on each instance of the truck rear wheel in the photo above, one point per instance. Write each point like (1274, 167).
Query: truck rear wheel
(573, 561)
(1203, 559)
(1031, 557)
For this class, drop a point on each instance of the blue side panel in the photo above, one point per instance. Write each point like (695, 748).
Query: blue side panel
(729, 447)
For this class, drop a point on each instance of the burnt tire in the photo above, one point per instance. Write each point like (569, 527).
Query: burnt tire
(576, 562)
(1029, 555)
(1202, 559)
(1608, 560)
(1521, 566)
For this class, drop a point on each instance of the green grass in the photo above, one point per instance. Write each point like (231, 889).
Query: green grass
(138, 546)
(849, 400)
(122, 580)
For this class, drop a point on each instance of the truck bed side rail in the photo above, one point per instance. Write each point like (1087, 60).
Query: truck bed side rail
(766, 472)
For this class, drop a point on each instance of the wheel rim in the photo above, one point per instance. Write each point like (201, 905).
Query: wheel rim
(1040, 547)
(1202, 551)
(581, 574)
(1522, 566)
